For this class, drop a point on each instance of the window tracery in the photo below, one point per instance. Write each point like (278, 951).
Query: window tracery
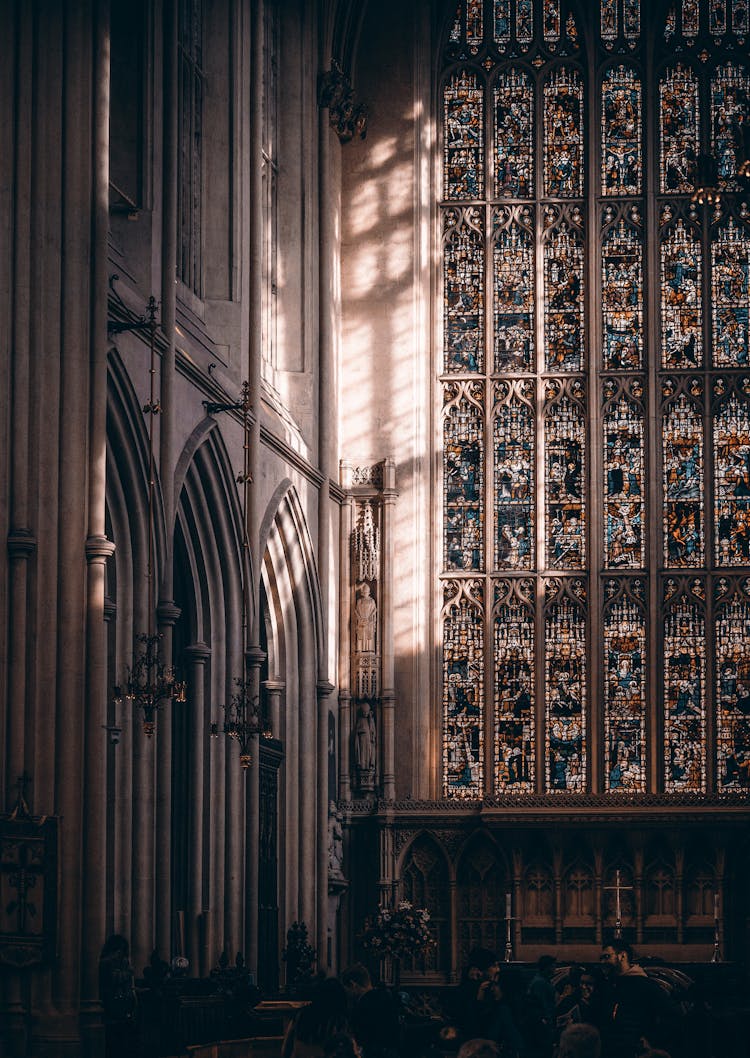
(551, 552)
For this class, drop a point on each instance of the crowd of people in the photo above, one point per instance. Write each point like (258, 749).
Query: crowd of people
(614, 1011)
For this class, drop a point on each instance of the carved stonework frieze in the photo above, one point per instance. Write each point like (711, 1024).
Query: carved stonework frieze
(368, 476)
(400, 839)
(451, 840)
(366, 542)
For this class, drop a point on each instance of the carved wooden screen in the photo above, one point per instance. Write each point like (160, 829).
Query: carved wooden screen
(594, 370)
(481, 882)
(424, 883)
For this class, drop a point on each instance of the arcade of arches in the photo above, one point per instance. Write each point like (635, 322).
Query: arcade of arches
(424, 478)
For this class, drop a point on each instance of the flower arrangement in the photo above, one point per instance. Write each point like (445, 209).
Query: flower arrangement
(398, 932)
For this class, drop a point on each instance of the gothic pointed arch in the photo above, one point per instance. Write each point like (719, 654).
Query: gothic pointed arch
(424, 881)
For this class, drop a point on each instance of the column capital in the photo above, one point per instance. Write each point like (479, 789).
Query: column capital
(168, 612)
(273, 686)
(254, 657)
(21, 543)
(198, 652)
(99, 548)
(110, 608)
(324, 689)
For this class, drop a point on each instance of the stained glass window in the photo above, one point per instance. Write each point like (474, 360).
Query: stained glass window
(631, 19)
(684, 695)
(681, 278)
(463, 285)
(524, 227)
(565, 693)
(551, 20)
(514, 688)
(732, 482)
(621, 132)
(513, 314)
(690, 18)
(563, 134)
(730, 286)
(733, 690)
(717, 17)
(513, 428)
(730, 105)
(608, 20)
(563, 299)
(502, 21)
(463, 175)
(624, 500)
(682, 441)
(679, 129)
(514, 139)
(624, 691)
(463, 461)
(524, 21)
(463, 688)
(564, 448)
(622, 299)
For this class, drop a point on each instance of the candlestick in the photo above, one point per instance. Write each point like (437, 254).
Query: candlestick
(507, 905)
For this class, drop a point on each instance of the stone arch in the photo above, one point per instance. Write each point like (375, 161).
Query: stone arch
(424, 880)
(483, 879)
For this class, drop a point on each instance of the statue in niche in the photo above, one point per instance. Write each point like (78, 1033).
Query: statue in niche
(335, 841)
(365, 619)
(364, 743)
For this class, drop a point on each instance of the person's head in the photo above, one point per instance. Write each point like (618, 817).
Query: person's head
(479, 1049)
(580, 1041)
(617, 957)
(479, 963)
(587, 986)
(356, 980)
(341, 1045)
(313, 1025)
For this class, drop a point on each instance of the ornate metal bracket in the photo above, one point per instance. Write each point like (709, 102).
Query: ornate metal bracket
(348, 118)
(147, 322)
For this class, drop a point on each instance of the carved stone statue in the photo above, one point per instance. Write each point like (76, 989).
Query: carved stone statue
(335, 841)
(365, 620)
(364, 743)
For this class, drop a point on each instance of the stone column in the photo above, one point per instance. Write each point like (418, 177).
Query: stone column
(98, 550)
(168, 613)
(324, 690)
(274, 690)
(344, 675)
(388, 696)
(254, 659)
(198, 655)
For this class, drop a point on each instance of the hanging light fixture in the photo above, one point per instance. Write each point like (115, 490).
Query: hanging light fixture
(242, 719)
(707, 190)
(149, 683)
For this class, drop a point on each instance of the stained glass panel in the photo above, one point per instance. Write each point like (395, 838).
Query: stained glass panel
(733, 693)
(684, 698)
(681, 333)
(690, 18)
(502, 21)
(565, 439)
(563, 301)
(682, 441)
(463, 689)
(679, 130)
(732, 482)
(524, 21)
(624, 546)
(730, 105)
(740, 17)
(621, 133)
(463, 285)
(565, 687)
(514, 697)
(563, 134)
(463, 461)
(551, 20)
(717, 17)
(622, 299)
(730, 284)
(474, 24)
(609, 20)
(631, 19)
(463, 127)
(513, 437)
(514, 135)
(513, 305)
(625, 697)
